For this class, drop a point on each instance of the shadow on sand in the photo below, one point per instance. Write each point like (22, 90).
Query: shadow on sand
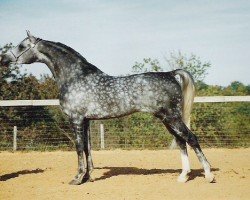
(6, 177)
(116, 171)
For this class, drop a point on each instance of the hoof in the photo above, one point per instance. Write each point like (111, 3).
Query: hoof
(87, 179)
(75, 182)
(91, 167)
(78, 180)
(182, 178)
(210, 178)
(91, 179)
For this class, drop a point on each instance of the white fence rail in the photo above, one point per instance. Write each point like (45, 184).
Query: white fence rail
(47, 102)
(111, 139)
(55, 102)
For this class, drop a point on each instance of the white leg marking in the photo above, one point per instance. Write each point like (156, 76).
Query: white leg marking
(208, 174)
(185, 162)
(185, 168)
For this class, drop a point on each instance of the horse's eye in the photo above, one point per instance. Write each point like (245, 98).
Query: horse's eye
(21, 47)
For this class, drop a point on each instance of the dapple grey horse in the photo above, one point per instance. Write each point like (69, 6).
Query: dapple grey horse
(87, 93)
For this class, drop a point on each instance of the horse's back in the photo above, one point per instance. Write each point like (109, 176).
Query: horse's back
(149, 91)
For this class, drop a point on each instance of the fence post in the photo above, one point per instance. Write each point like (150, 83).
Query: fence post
(15, 138)
(102, 136)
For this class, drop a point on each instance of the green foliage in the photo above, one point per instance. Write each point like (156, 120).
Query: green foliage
(147, 65)
(9, 77)
(191, 63)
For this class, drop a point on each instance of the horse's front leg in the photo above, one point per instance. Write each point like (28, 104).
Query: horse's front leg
(87, 150)
(79, 141)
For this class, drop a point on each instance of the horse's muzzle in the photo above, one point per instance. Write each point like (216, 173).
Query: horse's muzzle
(5, 60)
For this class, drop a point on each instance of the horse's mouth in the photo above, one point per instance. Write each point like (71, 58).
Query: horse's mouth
(7, 64)
(6, 61)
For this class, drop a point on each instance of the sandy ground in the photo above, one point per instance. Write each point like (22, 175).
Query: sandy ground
(124, 175)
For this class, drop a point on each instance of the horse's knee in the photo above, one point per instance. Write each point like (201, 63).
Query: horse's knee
(182, 133)
(192, 140)
(181, 142)
(79, 147)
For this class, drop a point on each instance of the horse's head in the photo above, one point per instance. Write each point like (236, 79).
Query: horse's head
(24, 53)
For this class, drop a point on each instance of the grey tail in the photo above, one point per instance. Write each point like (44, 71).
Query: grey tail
(188, 92)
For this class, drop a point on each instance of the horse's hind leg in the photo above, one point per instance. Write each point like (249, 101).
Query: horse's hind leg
(180, 131)
(184, 160)
(181, 143)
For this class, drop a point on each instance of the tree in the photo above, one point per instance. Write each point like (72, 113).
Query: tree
(147, 65)
(47, 83)
(10, 74)
(191, 63)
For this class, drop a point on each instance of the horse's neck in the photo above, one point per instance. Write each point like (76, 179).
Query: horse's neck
(64, 62)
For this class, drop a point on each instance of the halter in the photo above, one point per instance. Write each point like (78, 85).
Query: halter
(17, 57)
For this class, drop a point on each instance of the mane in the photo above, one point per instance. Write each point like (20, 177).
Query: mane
(69, 52)
(63, 47)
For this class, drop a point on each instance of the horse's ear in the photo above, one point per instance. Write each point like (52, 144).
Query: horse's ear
(31, 37)
(28, 33)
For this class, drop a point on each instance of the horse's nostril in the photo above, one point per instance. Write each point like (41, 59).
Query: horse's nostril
(1, 60)
(4, 60)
